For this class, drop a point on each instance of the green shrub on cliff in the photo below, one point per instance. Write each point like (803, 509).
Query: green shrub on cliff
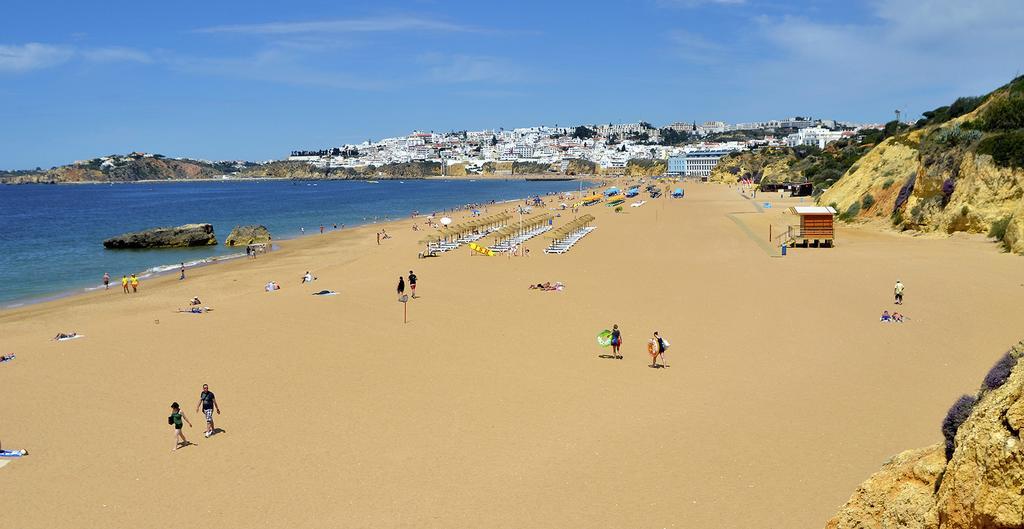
(867, 202)
(850, 212)
(1006, 149)
(998, 228)
(1005, 113)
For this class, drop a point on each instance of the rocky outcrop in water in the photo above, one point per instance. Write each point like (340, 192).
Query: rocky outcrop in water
(981, 486)
(246, 235)
(176, 237)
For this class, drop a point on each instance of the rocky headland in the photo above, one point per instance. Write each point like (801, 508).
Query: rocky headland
(973, 480)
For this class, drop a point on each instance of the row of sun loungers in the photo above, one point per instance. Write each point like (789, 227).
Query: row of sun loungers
(509, 244)
(444, 246)
(563, 245)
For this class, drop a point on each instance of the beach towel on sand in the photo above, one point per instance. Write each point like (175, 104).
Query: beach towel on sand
(12, 453)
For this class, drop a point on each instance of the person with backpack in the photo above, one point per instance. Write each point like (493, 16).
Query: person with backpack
(175, 420)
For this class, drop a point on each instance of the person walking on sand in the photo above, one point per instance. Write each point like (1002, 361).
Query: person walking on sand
(321, 229)
(401, 286)
(175, 420)
(182, 272)
(378, 238)
(616, 341)
(898, 291)
(106, 280)
(135, 284)
(657, 348)
(209, 403)
(412, 283)
(124, 284)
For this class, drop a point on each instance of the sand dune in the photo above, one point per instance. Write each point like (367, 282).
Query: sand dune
(491, 407)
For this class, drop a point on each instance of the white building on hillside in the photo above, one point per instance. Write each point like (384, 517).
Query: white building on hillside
(816, 136)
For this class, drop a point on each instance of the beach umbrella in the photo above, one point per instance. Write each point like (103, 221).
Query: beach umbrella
(604, 338)
(446, 221)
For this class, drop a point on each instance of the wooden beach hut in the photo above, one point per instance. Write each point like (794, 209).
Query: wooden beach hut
(817, 223)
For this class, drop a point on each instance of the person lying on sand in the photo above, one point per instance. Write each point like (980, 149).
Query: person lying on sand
(12, 452)
(308, 278)
(548, 286)
(6, 358)
(897, 317)
(325, 293)
(195, 310)
(65, 336)
(271, 286)
(886, 318)
(195, 301)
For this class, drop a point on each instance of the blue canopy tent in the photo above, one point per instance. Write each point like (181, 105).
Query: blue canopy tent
(611, 191)
(678, 193)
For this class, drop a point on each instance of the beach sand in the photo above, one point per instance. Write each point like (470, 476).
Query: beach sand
(491, 407)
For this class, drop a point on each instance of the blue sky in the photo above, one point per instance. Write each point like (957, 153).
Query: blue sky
(253, 80)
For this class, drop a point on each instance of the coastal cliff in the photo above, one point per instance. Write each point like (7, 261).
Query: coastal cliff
(973, 481)
(128, 168)
(776, 165)
(959, 170)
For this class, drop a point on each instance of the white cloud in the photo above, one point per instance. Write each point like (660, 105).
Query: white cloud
(116, 55)
(36, 56)
(32, 56)
(353, 25)
(469, 69)
(695, 48)
(277, 66)
(905, 44)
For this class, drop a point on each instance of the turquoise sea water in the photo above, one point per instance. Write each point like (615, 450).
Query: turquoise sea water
(51, 235)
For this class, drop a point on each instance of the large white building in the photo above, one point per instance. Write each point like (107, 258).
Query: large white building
(816, 136)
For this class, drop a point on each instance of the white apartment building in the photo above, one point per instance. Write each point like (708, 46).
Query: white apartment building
(816, 136)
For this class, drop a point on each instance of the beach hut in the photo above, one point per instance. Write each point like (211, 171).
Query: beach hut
(816, 224)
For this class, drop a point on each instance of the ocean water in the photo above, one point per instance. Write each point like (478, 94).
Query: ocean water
(51, 235)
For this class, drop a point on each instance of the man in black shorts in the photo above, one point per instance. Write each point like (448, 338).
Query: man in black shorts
(209, 403)
(412, 283)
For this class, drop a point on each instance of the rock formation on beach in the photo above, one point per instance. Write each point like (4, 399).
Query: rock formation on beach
(975, 481)
(176, 237)
(246, 235)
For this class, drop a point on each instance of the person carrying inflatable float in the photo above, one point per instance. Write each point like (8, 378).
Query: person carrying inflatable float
(656, 346)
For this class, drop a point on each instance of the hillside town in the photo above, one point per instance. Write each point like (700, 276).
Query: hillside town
(690, 149)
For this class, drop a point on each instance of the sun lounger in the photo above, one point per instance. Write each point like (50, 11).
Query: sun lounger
(563, 245)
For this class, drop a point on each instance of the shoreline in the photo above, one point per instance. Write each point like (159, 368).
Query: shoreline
(155, 275)
(535, 177)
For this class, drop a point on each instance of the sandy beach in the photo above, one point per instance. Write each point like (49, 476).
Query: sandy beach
(492, 406)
